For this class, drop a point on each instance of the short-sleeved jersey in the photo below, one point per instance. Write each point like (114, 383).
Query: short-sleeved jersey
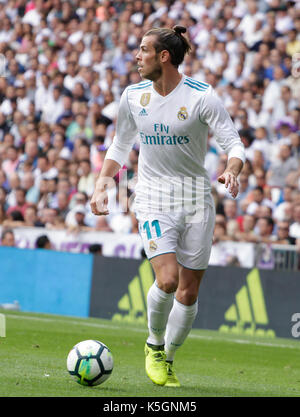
(172, 131)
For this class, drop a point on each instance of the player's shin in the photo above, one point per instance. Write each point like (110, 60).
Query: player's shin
(159, 305)
(179, 325)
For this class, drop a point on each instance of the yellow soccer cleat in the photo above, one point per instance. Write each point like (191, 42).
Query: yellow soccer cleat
(172, 380)
(156, 368)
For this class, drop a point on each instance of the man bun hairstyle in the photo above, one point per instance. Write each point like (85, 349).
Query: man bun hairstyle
(172, 41)
(179, 29)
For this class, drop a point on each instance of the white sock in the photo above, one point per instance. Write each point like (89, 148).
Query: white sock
(159, 305)
(179, 325)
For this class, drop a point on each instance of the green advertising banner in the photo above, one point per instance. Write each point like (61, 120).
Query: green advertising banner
(231, 300)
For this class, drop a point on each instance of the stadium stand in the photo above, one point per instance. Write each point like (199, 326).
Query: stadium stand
(64, 65)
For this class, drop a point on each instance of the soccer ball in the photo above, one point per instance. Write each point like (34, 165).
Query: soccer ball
(90, 362)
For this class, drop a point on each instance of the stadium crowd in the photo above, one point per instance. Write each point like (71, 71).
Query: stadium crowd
(64, 65)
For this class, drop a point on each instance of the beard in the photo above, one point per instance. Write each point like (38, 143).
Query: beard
(155, 73)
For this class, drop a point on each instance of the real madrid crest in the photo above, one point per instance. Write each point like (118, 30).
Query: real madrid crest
(182, 114)
(145, 98)
(152, 246)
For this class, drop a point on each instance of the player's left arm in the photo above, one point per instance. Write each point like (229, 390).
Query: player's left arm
(214, 114)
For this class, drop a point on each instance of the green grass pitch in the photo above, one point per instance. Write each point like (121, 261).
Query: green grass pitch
(210, 364)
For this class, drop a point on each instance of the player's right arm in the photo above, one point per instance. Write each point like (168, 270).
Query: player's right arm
(116, 156)
(99, 198)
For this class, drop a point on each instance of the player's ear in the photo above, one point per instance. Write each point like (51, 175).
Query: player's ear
(164, 55)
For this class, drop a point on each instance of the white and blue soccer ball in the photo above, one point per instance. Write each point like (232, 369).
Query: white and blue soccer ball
(90, 362)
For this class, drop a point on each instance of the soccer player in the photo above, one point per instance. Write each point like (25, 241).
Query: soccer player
(171, 114)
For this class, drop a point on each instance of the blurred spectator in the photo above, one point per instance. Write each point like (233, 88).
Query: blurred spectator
(67, 66)
(251, 24)
(258, 200)
(44, 140)
(283, 234)
(52, 108)
(284, 204)
(293, 44)
(86, 182)
(78, 220)
(21, 204)
(95, 249)
(232, 228)
(258, 118)
(230, 209)
(43, 242)
(98, 157)
(273, 90)
(50, 220)
(261, 142)
(282, 167)
(10, 164)
(79, 129)
(284, 105)
(62, 204)
(8, 238)
(80, 199)
(259, 175)
(3, 194)
(13, 183)
(43, 170)
(2, 214)
(247, 232)
(295, 226)
(265, 227)
(30, 155)
(52, 191)
(30, 218)
(42, 93)
(32, 192)
(247, 139)
(244, 190)
(59, 144)
(220, 232)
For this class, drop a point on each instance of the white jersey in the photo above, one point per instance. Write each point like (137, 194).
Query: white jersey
(172, 131)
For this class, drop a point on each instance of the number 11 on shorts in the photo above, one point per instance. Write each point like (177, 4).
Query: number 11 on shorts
(2, 325)
(154, 225)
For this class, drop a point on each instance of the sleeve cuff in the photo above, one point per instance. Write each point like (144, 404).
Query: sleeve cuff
(237, 151)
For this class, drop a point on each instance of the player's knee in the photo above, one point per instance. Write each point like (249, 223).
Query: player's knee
(168, 284)
(167, 278)
(187, 296)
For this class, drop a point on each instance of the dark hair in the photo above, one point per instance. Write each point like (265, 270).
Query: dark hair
(21, 189)
(95, 248)
(17, 216)
(259, 188)
(269, 220)
(87, 161)
(43, 156)
(246, 134)
(42, 241)
(172, 41)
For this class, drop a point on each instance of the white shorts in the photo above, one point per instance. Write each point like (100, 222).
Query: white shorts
(170, 233)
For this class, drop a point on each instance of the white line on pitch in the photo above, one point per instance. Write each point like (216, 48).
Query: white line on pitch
(139, 330)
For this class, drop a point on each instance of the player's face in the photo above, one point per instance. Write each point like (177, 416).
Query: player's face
(148, 59)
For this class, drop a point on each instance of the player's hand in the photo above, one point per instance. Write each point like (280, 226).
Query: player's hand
(230, 180)
(99, 202)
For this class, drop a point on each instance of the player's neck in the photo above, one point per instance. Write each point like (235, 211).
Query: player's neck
(166, 83)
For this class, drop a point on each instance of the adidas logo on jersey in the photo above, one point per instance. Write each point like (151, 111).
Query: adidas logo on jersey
(143, 113)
